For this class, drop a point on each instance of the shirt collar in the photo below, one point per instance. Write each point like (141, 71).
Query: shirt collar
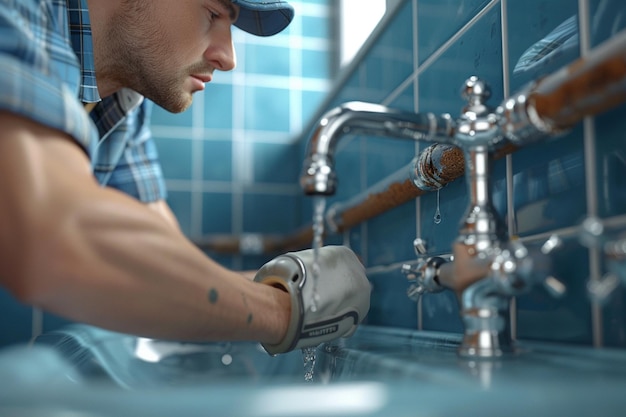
(82, 43)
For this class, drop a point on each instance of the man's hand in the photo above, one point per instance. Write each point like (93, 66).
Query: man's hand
(324, 310)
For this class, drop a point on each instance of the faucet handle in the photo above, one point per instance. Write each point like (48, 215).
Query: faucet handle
(554, 242)
(517, 268)
(420, 246)
(554, 287)
(476, 92)
(592, 233)
(424, 276)
(601, 290)
(475, 89)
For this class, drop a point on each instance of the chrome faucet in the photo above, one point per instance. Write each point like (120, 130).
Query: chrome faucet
(486, 267)
(319, 178)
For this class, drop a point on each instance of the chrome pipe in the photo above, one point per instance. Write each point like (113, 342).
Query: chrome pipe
(318, 176)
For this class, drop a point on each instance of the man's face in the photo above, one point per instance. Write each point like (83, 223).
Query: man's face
(167, 49)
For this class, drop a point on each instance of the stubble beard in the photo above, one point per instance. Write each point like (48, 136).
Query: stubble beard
(134, 53)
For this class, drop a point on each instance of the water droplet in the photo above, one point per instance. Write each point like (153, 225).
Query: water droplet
(437, 218)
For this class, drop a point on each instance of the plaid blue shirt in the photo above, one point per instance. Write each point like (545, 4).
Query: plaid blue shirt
(47, 73)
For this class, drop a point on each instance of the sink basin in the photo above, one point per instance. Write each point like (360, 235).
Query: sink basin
(131, 362)
(378, 372)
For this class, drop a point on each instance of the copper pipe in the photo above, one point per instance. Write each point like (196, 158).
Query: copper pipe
(435, 167)
(588, 86)
(261, 244)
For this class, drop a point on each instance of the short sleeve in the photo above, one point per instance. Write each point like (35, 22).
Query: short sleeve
(39, 72)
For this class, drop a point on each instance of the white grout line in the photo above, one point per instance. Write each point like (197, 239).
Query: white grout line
(277, 81)
(510, 189)
(295, 82)
(506, 83)
(591, 176)
(416, 105)
(439, 52)
(238, 145)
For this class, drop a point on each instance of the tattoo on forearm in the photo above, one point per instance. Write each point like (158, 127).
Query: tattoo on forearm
(245, 303)
(213, 296)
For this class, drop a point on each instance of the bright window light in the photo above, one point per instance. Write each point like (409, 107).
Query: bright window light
(358, 19)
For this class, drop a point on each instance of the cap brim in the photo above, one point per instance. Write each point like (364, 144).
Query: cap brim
(263, 18)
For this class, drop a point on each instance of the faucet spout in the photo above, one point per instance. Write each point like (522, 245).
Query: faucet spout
(318, 176)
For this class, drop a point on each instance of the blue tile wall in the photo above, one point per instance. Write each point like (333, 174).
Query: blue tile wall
(256, 61)
(432, 34)
(180, 203)
(418, 61)
(165, 118)
(275, 163)
(386, 286)
(311, 67)
(16, 320)
(270, 214)
(610, 129)
(217, 210)
(178, 154)
(217, 158)
(267, 109)
(218, 108)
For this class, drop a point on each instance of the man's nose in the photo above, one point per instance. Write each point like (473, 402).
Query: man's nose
(221, 52)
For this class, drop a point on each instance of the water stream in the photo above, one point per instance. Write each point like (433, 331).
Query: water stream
(319, 206)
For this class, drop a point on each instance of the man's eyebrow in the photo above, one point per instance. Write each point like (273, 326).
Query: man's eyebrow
(232, 10)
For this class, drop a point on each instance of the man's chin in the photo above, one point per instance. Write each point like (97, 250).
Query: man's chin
(176, 106)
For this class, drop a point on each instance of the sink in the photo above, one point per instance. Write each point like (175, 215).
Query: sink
(136, 363)
(379, 371)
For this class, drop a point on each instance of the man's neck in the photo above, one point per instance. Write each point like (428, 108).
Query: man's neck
(99, 13)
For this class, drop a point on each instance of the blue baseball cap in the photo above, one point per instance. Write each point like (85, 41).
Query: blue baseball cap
(263, 17)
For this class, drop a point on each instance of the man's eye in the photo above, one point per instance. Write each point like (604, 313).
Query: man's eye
(212, 15)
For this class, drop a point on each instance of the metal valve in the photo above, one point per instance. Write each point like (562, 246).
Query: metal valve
(423, 273)
(516, 268)
(554, 287)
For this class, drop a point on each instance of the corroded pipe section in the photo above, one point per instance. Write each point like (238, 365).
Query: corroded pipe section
(435, 167)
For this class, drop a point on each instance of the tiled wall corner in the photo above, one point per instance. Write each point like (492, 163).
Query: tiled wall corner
(419, 62)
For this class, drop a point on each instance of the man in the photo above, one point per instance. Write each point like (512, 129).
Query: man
(85, 232)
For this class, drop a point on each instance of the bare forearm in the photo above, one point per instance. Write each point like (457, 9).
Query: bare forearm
(156, 277)
(92, 254)
(161, 207)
